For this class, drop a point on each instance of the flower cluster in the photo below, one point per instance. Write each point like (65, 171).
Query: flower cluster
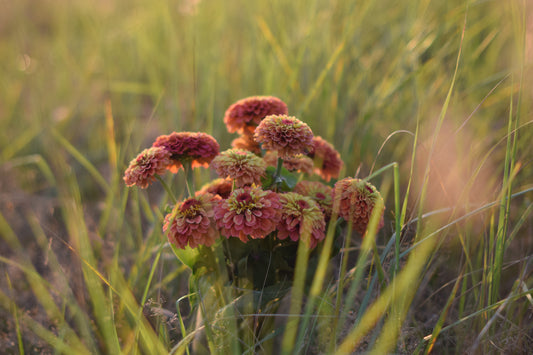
(301, 218)
(285, 134)
(355, 199)
(268, 185)
(248, 212)
(143, 170)
(190, 222)
(196, 148)
(239, 165)
(245, 115)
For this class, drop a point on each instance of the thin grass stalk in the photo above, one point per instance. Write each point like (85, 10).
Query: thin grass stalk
(76, 154)
(45, 334)
(169, 192)
(182, 324)
(40, 288)
(459, 219)
(81, 319)
(440, 121)
(438, 326)
(14, 312)
(398, 224)
(297, 293)
(402, 292)
(503, 217)
(345, 251)
(368, 293)
(147, 287)
(482, 311)
(364, 253)
(318, 279)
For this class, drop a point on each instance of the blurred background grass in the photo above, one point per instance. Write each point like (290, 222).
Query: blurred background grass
(85, 85)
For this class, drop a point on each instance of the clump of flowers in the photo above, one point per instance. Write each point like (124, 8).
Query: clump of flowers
(272, 199)
(239, 165)
(248, 212)
(327, 160)
(195, 148)
(191, 222)
(356, 199)
(301, 218)
(143, 170)
(245, 115)
(285, 134)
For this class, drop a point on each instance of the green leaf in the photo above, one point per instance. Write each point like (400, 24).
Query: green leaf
(187, 256)
(268, 180)
(288, 180)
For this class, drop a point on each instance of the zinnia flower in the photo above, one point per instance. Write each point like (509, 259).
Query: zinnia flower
(197, 148)
(319, 192)
(301, 218)
(298, 162)
(244, 115)
(143, 169)
(247, 142)
(191, 222)
(221, 187)
(285, 134)
(249, 211)
(355, 199)
(327, 160)
(240, 165)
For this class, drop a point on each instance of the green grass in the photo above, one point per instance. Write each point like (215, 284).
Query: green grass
(439, 93)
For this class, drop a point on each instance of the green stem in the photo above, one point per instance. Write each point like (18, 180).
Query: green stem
(189, 181)
(167, 189)
(277, 174)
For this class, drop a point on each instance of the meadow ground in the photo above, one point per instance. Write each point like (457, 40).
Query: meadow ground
(439, 92)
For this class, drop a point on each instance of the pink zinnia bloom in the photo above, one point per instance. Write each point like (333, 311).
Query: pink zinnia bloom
(247, 142)
(244, 115)
(299, 162)
(301, 218)
(197, 148)
(327, 160)
(355, 199)
(249, 211)
(240, 165)
(221, 187)
(143, 169)
(191, 222)
(319, 192)
(287, 135)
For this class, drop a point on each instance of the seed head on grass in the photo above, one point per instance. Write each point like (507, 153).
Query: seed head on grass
(240, 165)
(144, 168)
(191, 222)
(197, 148)
(244, 115)
(285, 134)
(319, 192)
(249, 211)
(327, 160)
(298, 162)
(355, 199)
(301, 218)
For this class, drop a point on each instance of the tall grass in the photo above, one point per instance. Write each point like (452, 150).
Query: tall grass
(436, 93)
